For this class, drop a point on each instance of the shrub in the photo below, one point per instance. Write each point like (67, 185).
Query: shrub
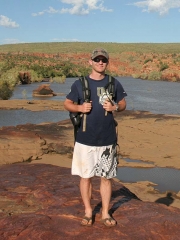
(35, 76)
(61, 79)
(131, 59)
(24, 94)
(154, 75)
(136, 75)
(83, 71)
(148, 60)
(144, 76)
(10, 76)
(6, 91)
(163, 66)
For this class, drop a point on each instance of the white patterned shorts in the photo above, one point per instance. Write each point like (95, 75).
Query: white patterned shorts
(90, 161)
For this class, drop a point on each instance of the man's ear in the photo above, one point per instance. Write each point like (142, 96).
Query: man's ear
(90, 62)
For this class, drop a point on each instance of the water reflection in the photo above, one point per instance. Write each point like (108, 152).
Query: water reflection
(135, 161)
(167, 178)
(17, 117)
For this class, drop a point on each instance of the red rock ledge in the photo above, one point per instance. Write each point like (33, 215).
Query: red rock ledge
(41, 201)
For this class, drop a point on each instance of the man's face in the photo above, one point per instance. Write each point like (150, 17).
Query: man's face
(99, 64)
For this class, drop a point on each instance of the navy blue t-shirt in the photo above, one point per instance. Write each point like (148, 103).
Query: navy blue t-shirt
(100, 128)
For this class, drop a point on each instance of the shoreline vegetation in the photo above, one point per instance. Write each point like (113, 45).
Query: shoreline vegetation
(34, 62)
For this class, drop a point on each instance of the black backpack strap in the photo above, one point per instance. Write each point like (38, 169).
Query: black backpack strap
(111, 86)
(86, 97)
(85, 88)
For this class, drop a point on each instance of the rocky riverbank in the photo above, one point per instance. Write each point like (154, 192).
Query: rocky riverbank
(40, 199)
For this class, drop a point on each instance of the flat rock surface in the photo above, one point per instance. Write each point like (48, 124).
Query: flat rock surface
(27, 142)
(41, 201)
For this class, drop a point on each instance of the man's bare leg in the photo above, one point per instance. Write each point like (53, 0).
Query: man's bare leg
(86, 193)
(106, 191)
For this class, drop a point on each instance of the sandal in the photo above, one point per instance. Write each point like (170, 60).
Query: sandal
(88, 222)
(110, 219)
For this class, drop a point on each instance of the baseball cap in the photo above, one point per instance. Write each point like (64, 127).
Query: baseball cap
(99, 52)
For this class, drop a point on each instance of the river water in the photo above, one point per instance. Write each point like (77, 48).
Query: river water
(153, 96)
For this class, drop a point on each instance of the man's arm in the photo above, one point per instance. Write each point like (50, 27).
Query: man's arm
(121, 105)
(72, 107)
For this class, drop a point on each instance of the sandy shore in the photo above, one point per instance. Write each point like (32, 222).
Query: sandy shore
(152, 138)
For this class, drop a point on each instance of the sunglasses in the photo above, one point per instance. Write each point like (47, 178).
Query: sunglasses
(104, 60)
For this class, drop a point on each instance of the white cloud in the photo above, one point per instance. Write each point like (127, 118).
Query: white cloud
(49, 10)
(7, 22)
(82, 7)
(77, 7)
(38, 14)
(52, 10)
(161, 6)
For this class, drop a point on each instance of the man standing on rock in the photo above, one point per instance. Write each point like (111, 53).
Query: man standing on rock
(95, 146)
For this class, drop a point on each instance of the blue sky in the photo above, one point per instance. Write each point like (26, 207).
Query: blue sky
(121, 21)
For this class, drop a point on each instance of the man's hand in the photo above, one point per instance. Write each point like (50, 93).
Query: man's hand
(86, 107)
(108, 106)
